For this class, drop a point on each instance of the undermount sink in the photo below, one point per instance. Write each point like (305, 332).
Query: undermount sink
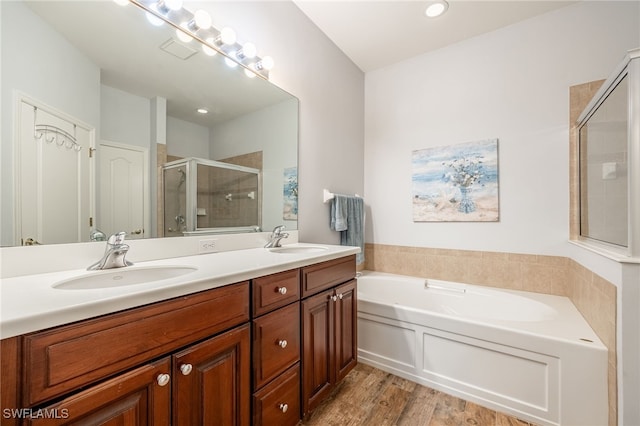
(123, 277)
(298, 249)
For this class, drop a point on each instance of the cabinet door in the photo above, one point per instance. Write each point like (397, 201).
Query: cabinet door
(317, 341)
(211, 385)
(139, 397)
(345, 330)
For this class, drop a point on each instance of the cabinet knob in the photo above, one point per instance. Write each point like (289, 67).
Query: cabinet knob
(185, 369)
(163, 379)
(282, 343)
(334, 298)
(284, 407)
(282, 290)
(340, 296)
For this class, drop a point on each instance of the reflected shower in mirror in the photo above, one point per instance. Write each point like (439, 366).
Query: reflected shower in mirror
(129, 92)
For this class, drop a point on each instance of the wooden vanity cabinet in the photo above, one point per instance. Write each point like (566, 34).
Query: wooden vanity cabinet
(276, 349)
(329, 336)
(144, 366)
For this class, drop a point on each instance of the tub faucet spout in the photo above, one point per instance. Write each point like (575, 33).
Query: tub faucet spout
(114, 254)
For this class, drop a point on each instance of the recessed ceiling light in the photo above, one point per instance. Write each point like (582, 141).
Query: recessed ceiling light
(203, 110)
(436, 8)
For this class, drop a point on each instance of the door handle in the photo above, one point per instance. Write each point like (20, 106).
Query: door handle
(31, 242)
(136, 232)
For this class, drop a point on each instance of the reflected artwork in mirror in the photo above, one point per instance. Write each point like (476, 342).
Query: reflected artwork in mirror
(96, 101)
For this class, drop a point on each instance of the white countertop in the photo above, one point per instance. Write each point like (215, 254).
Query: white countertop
(31, 303)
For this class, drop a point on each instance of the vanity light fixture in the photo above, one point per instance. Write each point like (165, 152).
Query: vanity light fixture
(201, 20)
(247, 51)
(198, 25)
(436, 8)
(226, 37)
(265, 63)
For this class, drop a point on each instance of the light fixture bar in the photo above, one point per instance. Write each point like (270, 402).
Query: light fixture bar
(198, 26)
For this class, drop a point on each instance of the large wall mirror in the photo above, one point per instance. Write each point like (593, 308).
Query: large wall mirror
(101, 130)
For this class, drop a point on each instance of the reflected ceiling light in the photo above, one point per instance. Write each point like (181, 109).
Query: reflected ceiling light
(247, 51)
(436, 8)
(208, 50)
(249, 73)
(182, 35)
(230, 62)
(122, 2)
(153, 19)
(202, 111)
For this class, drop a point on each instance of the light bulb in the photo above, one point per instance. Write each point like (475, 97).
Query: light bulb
(202, 111)
(208, 50)
(248, 51)
(230, 63)
(182, 35)
(227, 36)
(249, 73)
(153, 19)
(202, 19)
(436, 8)
(173, 4)
(266, 63)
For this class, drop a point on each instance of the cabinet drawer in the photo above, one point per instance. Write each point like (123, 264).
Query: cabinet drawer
(274, 291)
(321, 276)
(278, 403)
(276, 343)
(67, 357)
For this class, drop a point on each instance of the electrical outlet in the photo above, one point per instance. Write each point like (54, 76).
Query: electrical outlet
(208, 246)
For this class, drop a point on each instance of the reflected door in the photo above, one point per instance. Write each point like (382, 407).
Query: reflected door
(123, 189)
(53, 191)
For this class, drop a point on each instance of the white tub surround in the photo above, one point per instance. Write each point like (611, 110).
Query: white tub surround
(528, 354)
(30, 302)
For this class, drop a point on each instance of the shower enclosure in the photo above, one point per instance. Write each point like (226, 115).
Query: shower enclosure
(210, 197)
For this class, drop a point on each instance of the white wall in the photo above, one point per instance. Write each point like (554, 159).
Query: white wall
(331, 93)
(40, 63)
(512, 84)
(251, 133)
(186, 139)
(124, 118)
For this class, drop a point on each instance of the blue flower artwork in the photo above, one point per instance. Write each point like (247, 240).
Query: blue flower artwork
(290, 193)
(456, 183)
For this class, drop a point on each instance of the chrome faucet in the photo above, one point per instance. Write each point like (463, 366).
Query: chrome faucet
(276, 236)
(114, 254)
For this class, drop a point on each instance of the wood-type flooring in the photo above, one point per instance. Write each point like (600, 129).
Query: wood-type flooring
(369, 396)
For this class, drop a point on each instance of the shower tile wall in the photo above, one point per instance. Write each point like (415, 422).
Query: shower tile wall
(594, 297)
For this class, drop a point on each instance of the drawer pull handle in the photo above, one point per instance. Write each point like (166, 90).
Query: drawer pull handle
(163, 379)
(185, 369)
(284, 407)
(282, 290)
(282, 343)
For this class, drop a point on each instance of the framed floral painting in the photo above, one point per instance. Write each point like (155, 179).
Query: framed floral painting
(456, 183)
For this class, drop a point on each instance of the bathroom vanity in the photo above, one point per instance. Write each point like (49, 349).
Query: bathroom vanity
(264, 349)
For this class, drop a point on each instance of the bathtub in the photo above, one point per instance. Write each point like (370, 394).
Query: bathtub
(526, 354)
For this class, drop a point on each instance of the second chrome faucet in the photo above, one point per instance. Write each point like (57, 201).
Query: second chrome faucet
(114, 254)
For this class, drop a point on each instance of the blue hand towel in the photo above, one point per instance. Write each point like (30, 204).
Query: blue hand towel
(347, 217)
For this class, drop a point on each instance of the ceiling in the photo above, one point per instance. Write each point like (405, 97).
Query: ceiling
(375, 34)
